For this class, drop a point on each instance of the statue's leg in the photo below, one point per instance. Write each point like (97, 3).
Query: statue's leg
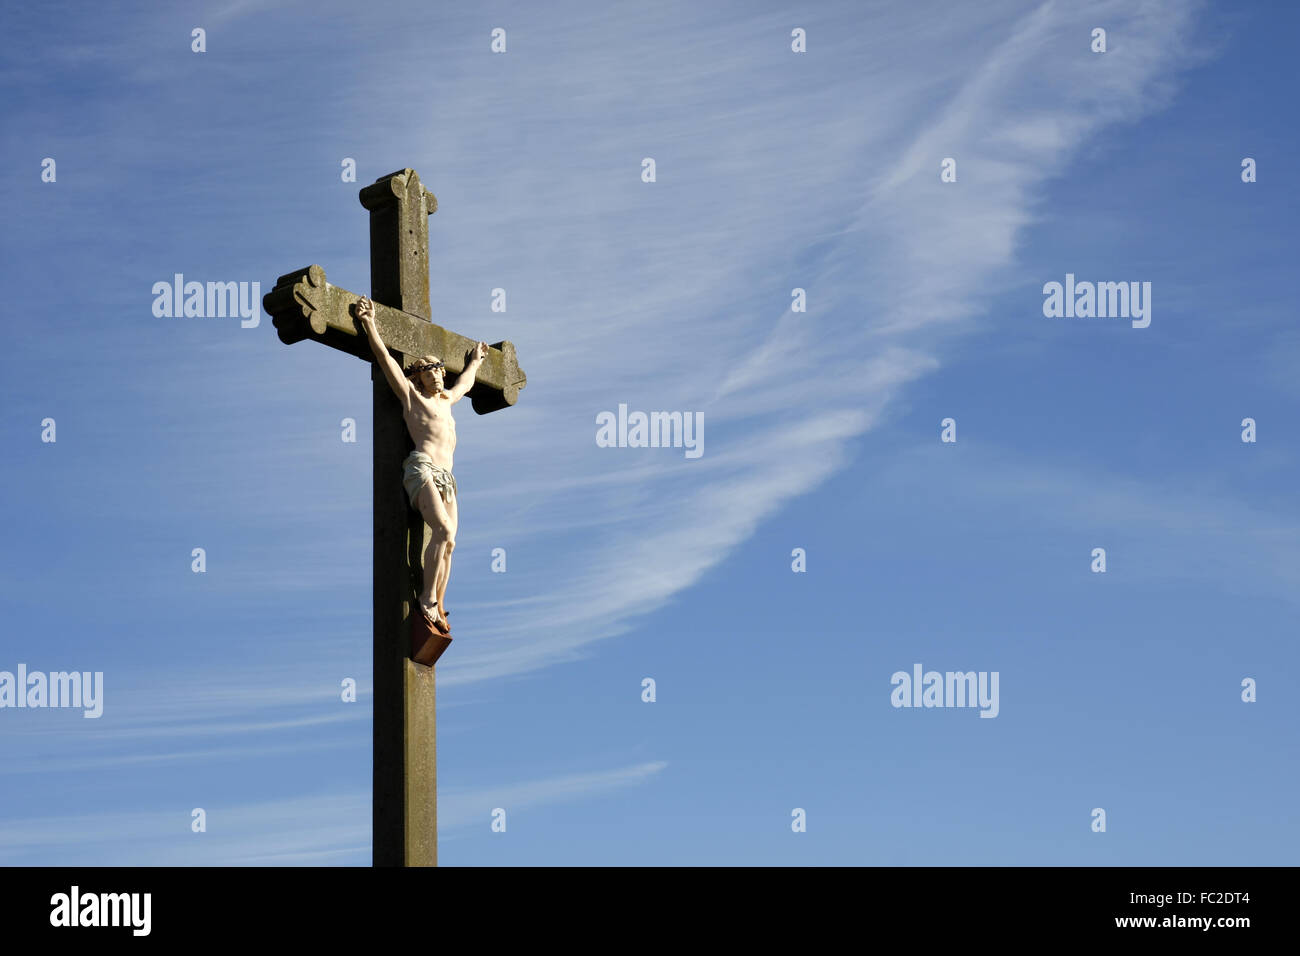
(453, 521)
(435, 516)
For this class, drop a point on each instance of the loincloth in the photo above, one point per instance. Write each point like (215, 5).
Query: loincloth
(418, 470)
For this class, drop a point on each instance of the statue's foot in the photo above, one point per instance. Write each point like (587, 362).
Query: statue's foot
(435, 619)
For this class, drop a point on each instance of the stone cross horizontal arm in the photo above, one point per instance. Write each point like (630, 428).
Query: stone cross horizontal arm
(303, 305)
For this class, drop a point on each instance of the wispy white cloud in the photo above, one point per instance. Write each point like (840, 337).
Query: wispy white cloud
(312, 830)
(163, 836)
(160, 720)
(760, 191)
(461, 807)
(775, 171)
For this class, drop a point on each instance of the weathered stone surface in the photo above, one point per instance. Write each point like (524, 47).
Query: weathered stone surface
(304, 305)
(420, 832)
(400, 207)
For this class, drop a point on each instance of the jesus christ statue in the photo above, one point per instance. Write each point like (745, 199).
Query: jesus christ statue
(426, 473)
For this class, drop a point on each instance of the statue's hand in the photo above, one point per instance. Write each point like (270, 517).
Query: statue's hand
(365, 313)
(480, 352)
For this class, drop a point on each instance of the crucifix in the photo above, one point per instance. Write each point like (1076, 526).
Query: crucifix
(303, 305)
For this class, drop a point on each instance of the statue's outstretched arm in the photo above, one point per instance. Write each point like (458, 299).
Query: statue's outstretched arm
(466, 380)
(392, 371)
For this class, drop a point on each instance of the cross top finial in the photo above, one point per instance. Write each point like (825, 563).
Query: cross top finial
(400, 207)
(404, 184)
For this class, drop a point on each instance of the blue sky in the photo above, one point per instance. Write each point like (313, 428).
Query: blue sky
(775, 170)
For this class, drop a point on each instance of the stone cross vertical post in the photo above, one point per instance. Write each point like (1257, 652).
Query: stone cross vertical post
(404, 799)
(304, 305)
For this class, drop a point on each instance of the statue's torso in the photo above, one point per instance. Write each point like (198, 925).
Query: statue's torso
(432, 427)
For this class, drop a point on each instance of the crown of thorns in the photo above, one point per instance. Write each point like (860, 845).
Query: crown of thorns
(416, 369)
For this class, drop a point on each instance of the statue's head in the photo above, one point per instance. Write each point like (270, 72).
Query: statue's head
(427, 374)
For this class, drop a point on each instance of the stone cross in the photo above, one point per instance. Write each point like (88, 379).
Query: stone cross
(303, 305)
